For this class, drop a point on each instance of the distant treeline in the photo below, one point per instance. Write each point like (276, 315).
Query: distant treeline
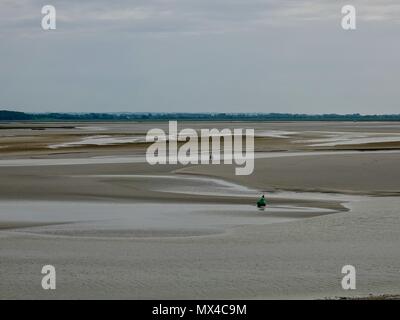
(6, 115)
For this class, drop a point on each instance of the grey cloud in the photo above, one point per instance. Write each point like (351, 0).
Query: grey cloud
(183, 16)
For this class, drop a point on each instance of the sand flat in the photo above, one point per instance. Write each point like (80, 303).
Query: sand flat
(116, 227)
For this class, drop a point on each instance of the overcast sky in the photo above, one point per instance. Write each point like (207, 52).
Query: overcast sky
(200, 56)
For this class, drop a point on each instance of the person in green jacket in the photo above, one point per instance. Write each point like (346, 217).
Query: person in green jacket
(261, 202)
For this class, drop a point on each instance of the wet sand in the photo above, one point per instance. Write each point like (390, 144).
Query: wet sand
(298, 259)
(116, 227)
(371, 173)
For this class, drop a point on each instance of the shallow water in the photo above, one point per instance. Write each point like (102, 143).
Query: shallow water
(332, 139)
(90, 219)
(99, 219)
(209, 186)
(141, 159)
(100, 140)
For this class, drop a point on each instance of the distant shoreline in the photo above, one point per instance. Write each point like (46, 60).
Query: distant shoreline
(7, 115)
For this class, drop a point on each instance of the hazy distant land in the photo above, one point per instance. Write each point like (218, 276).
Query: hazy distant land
(6, 115)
